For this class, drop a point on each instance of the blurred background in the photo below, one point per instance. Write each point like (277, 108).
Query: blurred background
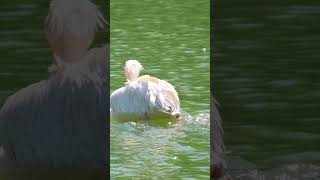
(265, 76)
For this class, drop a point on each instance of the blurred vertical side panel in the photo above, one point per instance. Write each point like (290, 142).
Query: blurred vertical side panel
(217, 164)
(54, 93)
(264, 70)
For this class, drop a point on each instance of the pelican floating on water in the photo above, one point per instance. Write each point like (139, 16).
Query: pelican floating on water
(61, 120)
(144, 94)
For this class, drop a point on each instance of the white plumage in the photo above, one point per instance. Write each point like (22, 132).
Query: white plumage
(144, 94)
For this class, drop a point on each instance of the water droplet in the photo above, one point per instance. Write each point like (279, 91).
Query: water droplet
(174, 158)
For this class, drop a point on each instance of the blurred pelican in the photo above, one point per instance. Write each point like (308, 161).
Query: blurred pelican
(61, 120)
(216, 141)
(144, 94)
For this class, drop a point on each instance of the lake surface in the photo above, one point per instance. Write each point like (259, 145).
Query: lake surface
(23, 47)
(265, 76)
(171, 40)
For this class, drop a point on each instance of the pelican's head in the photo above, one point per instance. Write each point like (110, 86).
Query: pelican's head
(132, 69)
(71, 26)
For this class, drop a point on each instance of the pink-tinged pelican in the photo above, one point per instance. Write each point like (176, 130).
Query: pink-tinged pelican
(61, 120)
(144, 94)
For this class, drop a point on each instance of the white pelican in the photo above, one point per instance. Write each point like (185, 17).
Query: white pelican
(61, 121)
(144, 94)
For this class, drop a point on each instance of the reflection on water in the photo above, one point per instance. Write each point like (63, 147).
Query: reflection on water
(171, 46)
(265, 69)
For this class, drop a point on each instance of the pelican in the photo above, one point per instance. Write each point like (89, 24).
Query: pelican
(61, 120)
(144, 94)
(216, 141)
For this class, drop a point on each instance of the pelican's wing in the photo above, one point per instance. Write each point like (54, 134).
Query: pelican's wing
(166, 99)
(170, 94)
(119, 100)
(134, 97)
(140, 97)
(158, 100)
(166, 89)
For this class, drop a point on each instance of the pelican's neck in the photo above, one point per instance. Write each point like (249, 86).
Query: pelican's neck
(69, 55)
(131, 75)
(92, 56)
(130, 81)
(131, 78)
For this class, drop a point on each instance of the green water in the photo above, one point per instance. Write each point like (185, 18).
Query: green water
(23, 48)
(265, 76)
(171, 40)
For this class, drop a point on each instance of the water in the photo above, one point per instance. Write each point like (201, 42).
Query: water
(265, 78)
(171, 40)
(23, 48)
